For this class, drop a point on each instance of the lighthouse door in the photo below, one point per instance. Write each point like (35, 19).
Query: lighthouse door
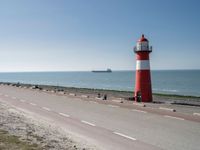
(139, 96)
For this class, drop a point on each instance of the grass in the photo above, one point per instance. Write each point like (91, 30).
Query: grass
(12, 142)
(176, 96)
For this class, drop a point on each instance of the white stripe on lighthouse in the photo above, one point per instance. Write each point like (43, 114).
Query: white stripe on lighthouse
(142, 65)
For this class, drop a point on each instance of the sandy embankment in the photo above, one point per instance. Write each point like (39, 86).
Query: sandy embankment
(34, 131)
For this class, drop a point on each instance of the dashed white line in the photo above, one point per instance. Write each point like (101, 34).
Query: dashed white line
(21, 100)
(196, 114)
(14, 98)
(126, 136)
(136, 110)
(45, 108)
(88, 123)
(114, 106)
(6, 95)
(65, 115)
(178, 118)
(32, 104)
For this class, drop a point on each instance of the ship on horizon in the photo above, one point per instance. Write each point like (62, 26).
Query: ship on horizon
(102, 71)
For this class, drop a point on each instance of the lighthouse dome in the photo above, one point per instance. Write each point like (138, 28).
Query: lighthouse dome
(142, 39)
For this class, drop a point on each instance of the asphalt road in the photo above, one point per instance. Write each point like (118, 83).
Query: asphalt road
(108, 126)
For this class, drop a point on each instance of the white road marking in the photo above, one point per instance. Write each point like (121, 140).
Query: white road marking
(6, 95)
(32, 104)
(93, 102)
(169, 109)
(21, 100)
(65, 115)
(126, 136)
(88, 123)
(14, 98)
(174, 117)
(72, 94)
(85, 96)
(196, 114)
(45, 108)
(117, 101)
(114, 106)
(136, 110)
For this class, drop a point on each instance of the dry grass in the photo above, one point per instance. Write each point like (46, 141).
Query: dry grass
(12, 142)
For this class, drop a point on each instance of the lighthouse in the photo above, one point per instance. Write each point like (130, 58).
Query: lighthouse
(143, 91)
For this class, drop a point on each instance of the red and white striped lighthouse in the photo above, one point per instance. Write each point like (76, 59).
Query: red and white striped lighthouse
(143, 91)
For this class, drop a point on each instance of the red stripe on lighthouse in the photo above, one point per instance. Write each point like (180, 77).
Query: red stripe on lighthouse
(142, 55)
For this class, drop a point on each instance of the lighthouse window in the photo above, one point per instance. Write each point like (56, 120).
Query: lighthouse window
(144, 47)
(139, 46)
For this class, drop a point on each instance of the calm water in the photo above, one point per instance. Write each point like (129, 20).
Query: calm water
(185, 82)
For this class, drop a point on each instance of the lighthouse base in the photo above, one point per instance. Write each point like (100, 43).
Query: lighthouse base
(143, 91)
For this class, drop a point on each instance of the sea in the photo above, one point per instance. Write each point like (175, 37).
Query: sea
(179, 82)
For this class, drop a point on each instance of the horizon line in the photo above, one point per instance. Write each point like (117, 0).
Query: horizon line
(37, 71)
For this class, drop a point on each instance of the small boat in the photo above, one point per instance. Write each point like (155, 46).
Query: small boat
(102, 71)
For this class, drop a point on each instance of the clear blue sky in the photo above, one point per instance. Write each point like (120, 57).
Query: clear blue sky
(68, 35)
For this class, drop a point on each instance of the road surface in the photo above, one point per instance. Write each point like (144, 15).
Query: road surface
(107, 126)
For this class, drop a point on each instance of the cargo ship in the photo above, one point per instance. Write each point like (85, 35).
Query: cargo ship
(102, 71)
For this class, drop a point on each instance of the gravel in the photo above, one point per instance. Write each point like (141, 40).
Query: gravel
(34, 131)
